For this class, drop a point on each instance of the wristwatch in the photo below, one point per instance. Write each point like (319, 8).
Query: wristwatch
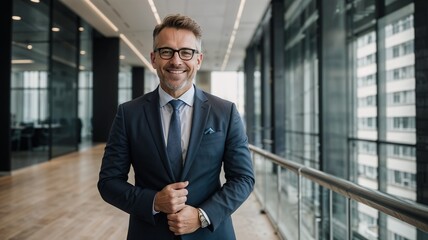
(204, 222)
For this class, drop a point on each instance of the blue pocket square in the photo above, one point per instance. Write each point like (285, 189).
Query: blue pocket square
(209, 131)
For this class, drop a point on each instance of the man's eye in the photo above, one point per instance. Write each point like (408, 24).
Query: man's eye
(186, 53)
(166, 52)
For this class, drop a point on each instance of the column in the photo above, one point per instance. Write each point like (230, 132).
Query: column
(278, 80)
(137, 81)
(105, 68)
(5, 66)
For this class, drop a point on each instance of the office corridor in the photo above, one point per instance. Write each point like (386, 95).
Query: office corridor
(59, 200)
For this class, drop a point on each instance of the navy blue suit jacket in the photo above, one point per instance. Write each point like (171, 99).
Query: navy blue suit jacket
(136, 139)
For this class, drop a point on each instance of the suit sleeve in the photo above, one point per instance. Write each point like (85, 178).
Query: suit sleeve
(113, 178)
(238, 173)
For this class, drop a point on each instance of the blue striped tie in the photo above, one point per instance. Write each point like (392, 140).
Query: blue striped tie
(173, 146)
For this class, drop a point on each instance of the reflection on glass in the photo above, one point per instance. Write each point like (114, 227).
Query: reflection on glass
(366, 70)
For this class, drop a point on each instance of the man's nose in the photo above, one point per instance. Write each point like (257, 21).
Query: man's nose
(175, 57)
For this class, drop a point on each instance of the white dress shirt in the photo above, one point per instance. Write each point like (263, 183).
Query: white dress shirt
(186, 113)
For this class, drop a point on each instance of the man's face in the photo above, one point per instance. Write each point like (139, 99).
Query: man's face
(176, 75)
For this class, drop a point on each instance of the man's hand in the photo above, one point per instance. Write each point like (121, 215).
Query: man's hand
(185, 221)
(172, 198)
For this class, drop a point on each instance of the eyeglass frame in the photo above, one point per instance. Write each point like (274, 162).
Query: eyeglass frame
(176, 51)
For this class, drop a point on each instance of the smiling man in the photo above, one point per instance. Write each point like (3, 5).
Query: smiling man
(177, 139)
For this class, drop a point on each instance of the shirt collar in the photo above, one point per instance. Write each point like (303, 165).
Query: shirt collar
(187, 97)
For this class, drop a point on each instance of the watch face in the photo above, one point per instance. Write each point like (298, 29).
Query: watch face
(204, 222)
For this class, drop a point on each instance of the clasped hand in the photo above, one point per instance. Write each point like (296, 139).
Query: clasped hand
(171, 200)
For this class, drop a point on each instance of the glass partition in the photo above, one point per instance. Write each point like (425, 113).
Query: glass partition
(65, 125)
(29, 84)
(85, 86)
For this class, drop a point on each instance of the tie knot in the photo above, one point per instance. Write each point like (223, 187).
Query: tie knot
(176, 104)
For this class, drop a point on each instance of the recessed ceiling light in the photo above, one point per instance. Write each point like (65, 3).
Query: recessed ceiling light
(16, 18)
(82, 52)
(137, 52)
(81, 67)
(35, 1)
(22, 61)
(154, 11)
(29, 46)
(106, 20)
(233, 35)
(55, 29)
(121, 57)
(81, 29)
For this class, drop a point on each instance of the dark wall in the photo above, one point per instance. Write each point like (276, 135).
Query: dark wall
(137, 82)
(5, 66)
(105, 67)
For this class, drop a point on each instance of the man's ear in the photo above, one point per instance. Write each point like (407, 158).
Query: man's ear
(200, 58)
(152, 59)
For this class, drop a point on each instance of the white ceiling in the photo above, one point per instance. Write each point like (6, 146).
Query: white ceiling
(135, 19)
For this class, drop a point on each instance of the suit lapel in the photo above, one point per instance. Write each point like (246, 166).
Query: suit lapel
(199, 119)
(152, 112)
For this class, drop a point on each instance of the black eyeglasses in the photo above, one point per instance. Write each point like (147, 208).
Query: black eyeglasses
(167, 53)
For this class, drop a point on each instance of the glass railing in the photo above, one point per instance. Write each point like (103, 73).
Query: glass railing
(305, 203)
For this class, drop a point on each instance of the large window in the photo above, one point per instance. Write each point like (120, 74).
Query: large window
(350, 96)
(384, 108)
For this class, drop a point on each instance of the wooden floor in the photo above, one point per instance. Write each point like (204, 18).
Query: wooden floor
(59, 200)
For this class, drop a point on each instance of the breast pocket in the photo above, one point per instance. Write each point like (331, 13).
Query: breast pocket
(216, 138)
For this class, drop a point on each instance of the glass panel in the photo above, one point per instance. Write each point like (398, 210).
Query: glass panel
(397, 74)
(364, 222)
(64, 69)
(260, 175)
(310, 209)
(125, 84)
(301, 76)
(29, 84)
(288, 221)
(302, 116)
(258, 128)
(84, 135)
(401, 171)
(339, 217)
(85, 106)
(399, 230)
(272, 190)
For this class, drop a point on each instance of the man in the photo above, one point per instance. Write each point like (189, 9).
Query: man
(177, 196)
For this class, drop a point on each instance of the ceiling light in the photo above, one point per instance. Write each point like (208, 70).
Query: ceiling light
(22, 61)
(82, 52)
(139, 55)
(81, 67)
(155, 11)
(81, 29)
(55, 29)
(29, 46)
(233, 35)
(16, 18)
(102, 16)
(121, 57)
(35, 1)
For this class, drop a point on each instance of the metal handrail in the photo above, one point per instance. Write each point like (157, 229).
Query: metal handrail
(411, 212)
